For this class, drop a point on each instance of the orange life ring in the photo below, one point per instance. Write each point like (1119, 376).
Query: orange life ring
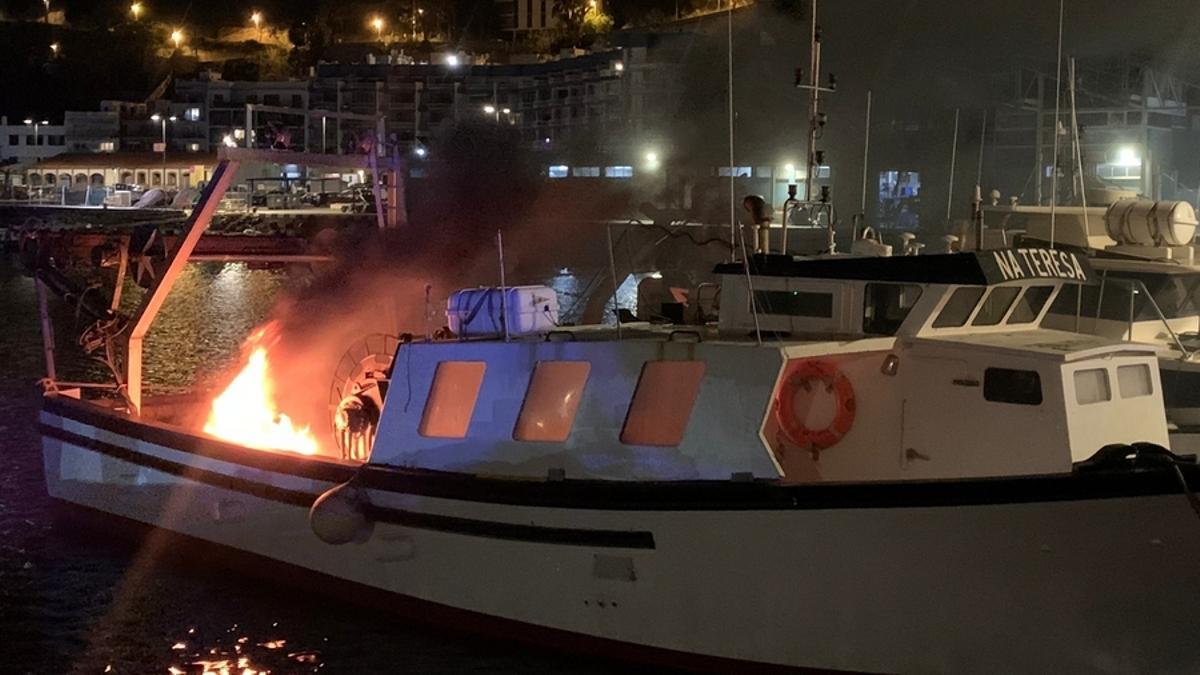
(803, 377)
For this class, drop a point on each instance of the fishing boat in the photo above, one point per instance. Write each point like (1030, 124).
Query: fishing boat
(880, 464)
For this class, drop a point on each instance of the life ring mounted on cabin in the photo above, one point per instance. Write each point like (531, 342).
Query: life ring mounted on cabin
(803, 377)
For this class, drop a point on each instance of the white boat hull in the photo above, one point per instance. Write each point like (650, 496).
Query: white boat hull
(1042, 574)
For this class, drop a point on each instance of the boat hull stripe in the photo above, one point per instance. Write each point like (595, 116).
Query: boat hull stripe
(628, 539)
(188, 550)
(704, 495)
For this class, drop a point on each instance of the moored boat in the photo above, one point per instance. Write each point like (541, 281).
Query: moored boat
(881, 465)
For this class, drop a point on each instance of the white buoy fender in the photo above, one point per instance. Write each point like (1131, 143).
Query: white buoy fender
(339, 516)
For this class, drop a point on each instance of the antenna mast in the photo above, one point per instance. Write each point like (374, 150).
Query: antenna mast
(814, 102)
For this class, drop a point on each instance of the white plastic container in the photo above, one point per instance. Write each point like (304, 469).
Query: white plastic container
(479, 312)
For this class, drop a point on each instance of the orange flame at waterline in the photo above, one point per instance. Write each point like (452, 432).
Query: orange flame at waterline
(245, 413)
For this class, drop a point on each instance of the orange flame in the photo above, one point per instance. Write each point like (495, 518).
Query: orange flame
(245, 413)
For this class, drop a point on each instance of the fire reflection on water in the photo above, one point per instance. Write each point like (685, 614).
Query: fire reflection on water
(242, 657)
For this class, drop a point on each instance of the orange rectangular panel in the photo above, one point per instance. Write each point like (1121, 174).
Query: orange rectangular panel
(662, 403)
(548, 412)
(452, 399)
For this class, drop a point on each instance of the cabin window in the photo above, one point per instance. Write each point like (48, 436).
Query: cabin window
(795, 303)
(1005, 385)
(958, 308)
(548, 412)
(886, 306)
(666, 393)
(452, 399)
(1111, 300)
(1134, 381)
(1091, 386)
(1030, 306)
(996, 305)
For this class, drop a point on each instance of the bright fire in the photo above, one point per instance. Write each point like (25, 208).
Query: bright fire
(245, 413)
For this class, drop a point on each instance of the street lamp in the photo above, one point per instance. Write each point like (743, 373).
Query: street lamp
(416, 12)
(31, 123)
(177, 37)
(256, 19)
(54, 48)
(377, 24)
(163, 120)
(136, 10)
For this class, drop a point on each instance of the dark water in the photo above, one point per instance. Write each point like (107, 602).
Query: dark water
(75, 601)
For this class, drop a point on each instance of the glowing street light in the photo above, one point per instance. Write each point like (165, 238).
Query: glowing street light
(377, 24)
(136, 10)
(652, 161)
(489, 109)
(452, 60)
(31, 123)
(420, 151)
(159, 118)
(177, 37)
(54, 48)
(256, 18)
(619, 66)
(1128, 156)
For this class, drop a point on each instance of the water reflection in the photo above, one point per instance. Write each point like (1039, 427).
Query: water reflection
(235, 653)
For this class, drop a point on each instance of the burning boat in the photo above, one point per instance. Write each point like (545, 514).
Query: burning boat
(865, 464)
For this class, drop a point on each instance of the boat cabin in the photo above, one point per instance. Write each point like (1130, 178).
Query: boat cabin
(828, 369)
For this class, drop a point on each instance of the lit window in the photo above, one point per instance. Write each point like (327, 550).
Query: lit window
(107, 146)
(996, 305)
(662, 403)
(1091, 386)
(193, 147)
(559, 171)
(958, 308)
(192, 114)
(552, 401)
(239, 134)
(452, 399)
(1004, 385)
(736, 171)
(1134, 381)
(618, 172)
(586, 172)
(1031, 303)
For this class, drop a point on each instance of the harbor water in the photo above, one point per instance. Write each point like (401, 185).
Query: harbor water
(80, 600)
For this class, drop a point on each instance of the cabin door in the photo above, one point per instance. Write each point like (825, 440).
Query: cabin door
(941, 398)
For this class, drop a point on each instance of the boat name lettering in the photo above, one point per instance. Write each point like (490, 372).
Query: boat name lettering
(1038, 263)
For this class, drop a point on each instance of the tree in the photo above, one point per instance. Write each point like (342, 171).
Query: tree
(571, 15)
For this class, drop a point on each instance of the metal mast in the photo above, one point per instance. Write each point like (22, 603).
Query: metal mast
(814, 101)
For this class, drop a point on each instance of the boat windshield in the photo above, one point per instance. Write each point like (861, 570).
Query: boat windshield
(1177, 295)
